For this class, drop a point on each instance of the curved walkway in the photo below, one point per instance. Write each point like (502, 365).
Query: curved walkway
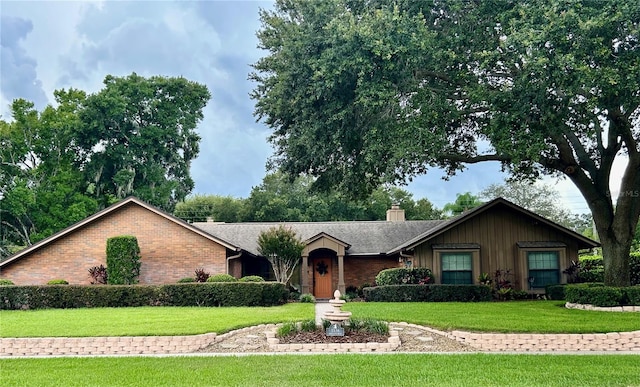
(262, 339)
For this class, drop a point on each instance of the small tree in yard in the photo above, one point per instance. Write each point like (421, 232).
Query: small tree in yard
(283, 250)
(123, 260)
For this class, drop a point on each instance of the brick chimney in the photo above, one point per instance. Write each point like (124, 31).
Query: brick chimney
(395, 214)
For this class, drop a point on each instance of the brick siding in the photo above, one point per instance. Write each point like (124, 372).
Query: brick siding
(358, 271)
(168, 251)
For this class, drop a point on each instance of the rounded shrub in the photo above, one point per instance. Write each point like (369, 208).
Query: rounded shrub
(307, 297)
(58, 282)
(186, 280)
(251, 278)
(222, 278)
(6, 282)
(403, 276)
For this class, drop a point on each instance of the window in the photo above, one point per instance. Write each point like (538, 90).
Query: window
(543, 268)
(457, 268)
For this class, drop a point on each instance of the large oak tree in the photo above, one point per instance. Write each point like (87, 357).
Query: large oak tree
(360, 92)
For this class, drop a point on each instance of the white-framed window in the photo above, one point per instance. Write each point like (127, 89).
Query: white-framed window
(544, 268)
(457, 267)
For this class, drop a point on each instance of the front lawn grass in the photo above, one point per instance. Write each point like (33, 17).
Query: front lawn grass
(144, 321)
(516, 316)
(327, 370)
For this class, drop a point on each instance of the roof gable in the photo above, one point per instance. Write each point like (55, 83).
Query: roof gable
(465, 216)
(102, 214)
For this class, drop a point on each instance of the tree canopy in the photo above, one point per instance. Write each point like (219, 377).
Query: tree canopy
(283, 249)
(136, 136)
(360, 93)
(541, 199)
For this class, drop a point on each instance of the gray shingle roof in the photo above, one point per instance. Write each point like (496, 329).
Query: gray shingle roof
(364, 238)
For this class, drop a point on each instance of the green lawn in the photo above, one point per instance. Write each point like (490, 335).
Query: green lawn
(327, 370)
(144, 321)
(525, 316)
(518, 316)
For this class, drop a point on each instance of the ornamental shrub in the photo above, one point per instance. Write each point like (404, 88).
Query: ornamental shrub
(58, 282)
(251, 278)
(555, 292)
(123, 260)
(186, 280)
(194, 294)
(5, 282)
(428, 293)
(307, 298)
(591, 268)
(403, 276)
(594, 295)
(222, 278)
(201, 275)
(633, 295)
(98, 275)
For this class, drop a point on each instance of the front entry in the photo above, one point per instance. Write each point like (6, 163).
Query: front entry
(322, 278)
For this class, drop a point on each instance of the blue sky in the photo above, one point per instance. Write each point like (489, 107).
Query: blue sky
(48, 45)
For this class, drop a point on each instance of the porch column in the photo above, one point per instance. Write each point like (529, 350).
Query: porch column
(341, 286)
(304, 273)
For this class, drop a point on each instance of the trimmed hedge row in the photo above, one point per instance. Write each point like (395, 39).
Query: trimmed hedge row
(600, 295)
(186, 294)
(403, 276)
(428, 293)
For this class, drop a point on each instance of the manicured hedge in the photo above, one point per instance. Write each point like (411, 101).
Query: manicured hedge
(428, 293)
(555, 292)
(187, 294)
(600, 295)
(403, 276)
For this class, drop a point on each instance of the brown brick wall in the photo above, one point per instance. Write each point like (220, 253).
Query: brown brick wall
(360, 270)
(169, 251)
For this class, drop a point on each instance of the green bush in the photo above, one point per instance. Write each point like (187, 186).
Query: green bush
(308, 326)
(592, 268)
(251, 278)
(123, 260)
(402, 276)
(555, 292)
(222, 278)
(428, 293)
(594, 295)
(58, 282)
(368, 325)
(307, 297)
(186, 280)
(187, 294)
(6, 282)
(633, 295)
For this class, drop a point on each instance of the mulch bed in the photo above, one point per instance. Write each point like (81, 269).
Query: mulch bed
(319, 337)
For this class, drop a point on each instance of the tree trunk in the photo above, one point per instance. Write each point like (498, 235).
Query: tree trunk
(615, 256)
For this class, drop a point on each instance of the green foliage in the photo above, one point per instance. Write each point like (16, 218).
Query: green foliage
(403, 276)
(184, 294)
(541, 199)
(199, 208)
(307, 298)
(633, 295)
(186, 280)
(428, 293)
(463, 202)
(369, 325)
(147, 128)
(283, 250)
(57, 282)
(596, 295)
(367, 93)
(287, 329)
(222, 278)
(308, 326)
(123, 260)
(591, 268)
(6, 282)
(251, 278)
(555, 292)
